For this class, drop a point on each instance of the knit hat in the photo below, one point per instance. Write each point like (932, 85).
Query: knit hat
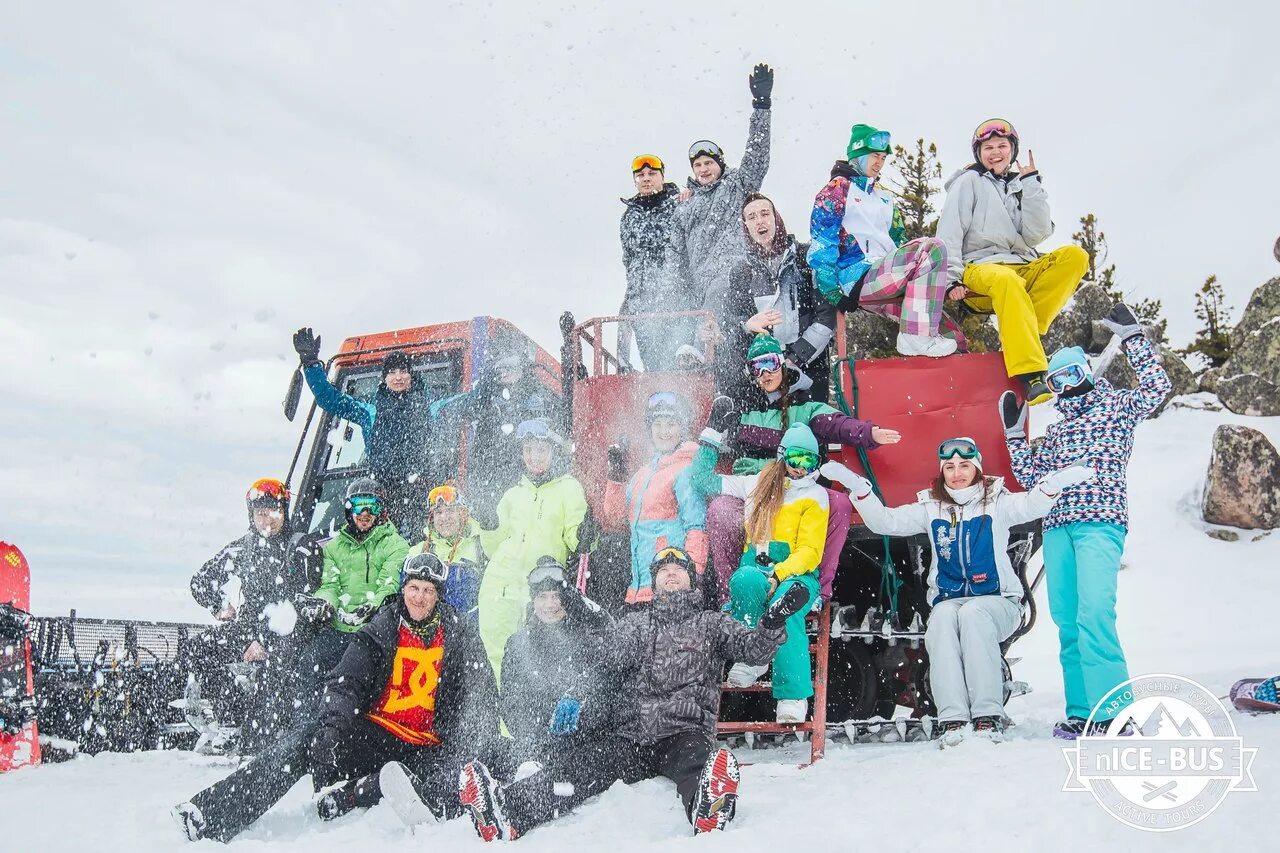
(763, 345)
(1070, 355)
(680, 557)
(798, 437)
(395, 360)
(861, 142)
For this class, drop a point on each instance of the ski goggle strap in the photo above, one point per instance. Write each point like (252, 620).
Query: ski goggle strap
(707, 147)
(964, 447)
(799, 457)
(448, 495)
(651, 161)
(364, 503)
(767, 363)
(993, 127)
(424, 567)
(268, 489)
(1067, 376)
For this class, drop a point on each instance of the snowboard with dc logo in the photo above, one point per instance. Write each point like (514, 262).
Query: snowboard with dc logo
(19, 746)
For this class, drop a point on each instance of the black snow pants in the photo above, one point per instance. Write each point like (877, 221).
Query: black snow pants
(262, 711)
(247, 794)
(592, 768)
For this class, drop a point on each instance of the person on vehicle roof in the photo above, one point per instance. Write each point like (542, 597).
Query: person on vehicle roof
(545, 514)
(411, 700)
(273, 564)
(1084, 533)
(859, 260)
(361, 570)
(707, 234)
(656, 278)
(669, 657)
(454, 536)
(771, 292)
(396, 425)
(658, 502)
(973, 590)
(996, 213)
(778, 400)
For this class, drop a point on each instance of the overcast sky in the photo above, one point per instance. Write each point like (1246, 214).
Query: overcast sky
(182, 185)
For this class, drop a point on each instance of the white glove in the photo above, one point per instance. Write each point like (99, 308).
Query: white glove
(838, 472)
(1069, 476)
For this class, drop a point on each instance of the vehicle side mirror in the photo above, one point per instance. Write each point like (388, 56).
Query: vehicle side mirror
(293, 395)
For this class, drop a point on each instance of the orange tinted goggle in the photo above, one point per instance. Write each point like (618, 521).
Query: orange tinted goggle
(268, 488)
(993, 127)
(652, 161)
(447, 494)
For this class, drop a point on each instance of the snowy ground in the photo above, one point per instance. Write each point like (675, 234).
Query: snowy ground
(1189, 605)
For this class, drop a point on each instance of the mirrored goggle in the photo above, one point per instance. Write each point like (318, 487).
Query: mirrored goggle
(965, 448)
(358, 505)
(664, 399)
(878, 141)
(707, 147)
(993, 127)
(797, 457)
(447, 494)
(543, 574)
(268, 488)
(672, 554)
(765, 364)
(1067, 376)
(651, 161)
(426, 567)
(533, 429)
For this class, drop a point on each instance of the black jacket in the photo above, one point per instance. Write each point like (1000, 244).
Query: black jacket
(400, 442)
(466, 697)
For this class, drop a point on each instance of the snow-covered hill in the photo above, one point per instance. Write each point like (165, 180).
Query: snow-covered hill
(1189, 605)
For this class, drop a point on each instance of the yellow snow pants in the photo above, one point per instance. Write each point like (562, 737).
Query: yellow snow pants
(1025, 299)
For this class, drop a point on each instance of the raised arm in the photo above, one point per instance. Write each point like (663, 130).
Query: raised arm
(888, 521)
(1153, 382)
(755, 157)
(1036, 502)
(336, 402)
(830, 426)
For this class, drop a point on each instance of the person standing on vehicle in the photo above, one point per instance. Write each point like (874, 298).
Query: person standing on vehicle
(771, 292)
(361, 570)
(412, 694)
(859, 259)
(454, 536)
(658, 502)
(707, 234)
(396, 425)
(656, 280)
(993, 218)
(973, 590)
(1084, 533)
(669, 658)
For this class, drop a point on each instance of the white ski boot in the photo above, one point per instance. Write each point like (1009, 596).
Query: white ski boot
(400, 790)
(932, 347)
(792, 710)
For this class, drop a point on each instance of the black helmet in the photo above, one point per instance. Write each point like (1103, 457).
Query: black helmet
(425, 566)
(678, 556)
(548, 574)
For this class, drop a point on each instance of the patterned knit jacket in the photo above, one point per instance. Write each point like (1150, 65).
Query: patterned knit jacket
(1096, 430)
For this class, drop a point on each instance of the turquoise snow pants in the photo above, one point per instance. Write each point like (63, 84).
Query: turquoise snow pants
(1082, 561)
(748, 598)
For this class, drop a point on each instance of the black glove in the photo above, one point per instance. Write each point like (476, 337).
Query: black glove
(360, 615)
(307, 346)
(1014, 415)
(324, 751)
(618, 462)
(724, 414)
(311, 609)
(1121, 321)
(791, 603)
(761, 82)
(588, 532)
(764, 560)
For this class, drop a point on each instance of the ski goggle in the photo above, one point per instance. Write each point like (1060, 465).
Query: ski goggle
(650, 161)
(964, 447)
(547, 572)
(877, 142)
(448, 495)
(267, 488)
(424, 567)
(672, 555)
(767, 363)
(993, 127)
(536, 428)
(800, 458)
(364, 503)
(705, 147)
(1067, 376)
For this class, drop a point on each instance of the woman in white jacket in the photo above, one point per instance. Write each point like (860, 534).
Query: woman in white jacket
(974, 592)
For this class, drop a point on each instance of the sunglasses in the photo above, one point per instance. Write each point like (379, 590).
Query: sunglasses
(964, 447)
(705, 147)
(993, 127)
(359, 505)
(268, 488)
(801, 459)
(765, 364)
(651, 161)
(1067, 376)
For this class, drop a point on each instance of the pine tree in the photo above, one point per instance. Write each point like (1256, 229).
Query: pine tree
(1094, 241)
(919, 175)
(1213, 340)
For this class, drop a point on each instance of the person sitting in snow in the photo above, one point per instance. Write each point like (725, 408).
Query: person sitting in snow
(396, 425)
(974, 593)
(657, 502)
(413, 694)
(859, 260)
(274, 564)
(993, 218)
(453, 536)
(1085, 530)
(669, 657)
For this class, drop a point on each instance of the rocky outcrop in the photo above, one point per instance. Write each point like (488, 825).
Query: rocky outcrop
(1242, 487)
(1075, 326)
(1250, 380)
(1208, 380)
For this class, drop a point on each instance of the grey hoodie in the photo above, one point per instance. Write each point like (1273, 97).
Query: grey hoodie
(990, 220)
(708, 227)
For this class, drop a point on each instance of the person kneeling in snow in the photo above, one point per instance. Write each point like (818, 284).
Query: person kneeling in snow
(413, 691)
(669, 657)
(975, 595)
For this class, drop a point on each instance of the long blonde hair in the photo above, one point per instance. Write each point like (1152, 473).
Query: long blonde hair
(766, 500)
